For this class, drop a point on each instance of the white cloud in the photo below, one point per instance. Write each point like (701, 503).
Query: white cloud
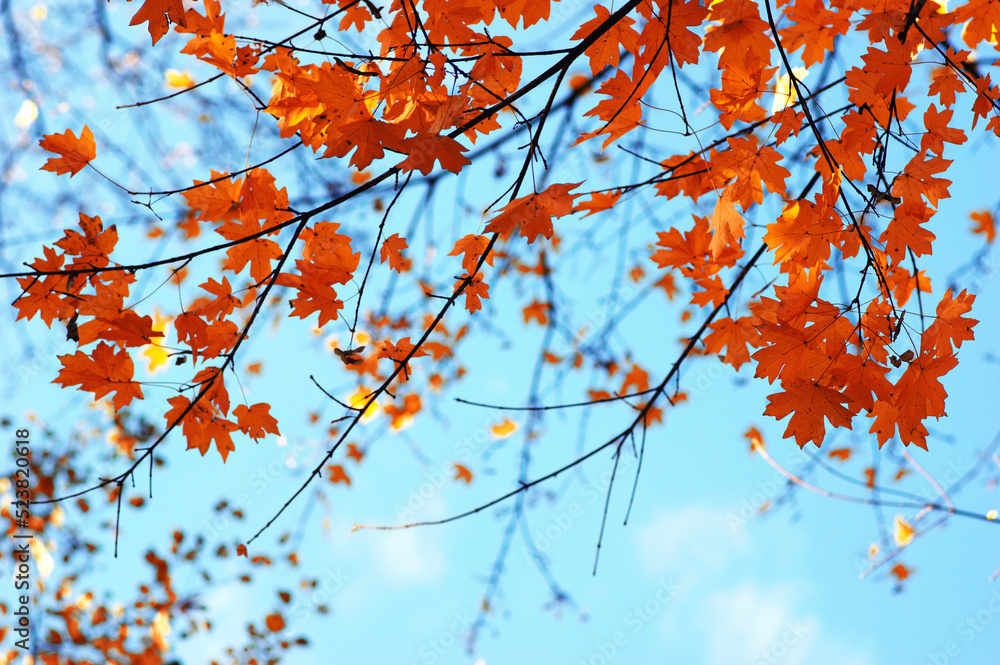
(748, 624)
(689, 541)
(760, 626)
(408, 557)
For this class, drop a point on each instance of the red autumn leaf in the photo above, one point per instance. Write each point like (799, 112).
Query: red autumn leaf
(752, 167)
(400, 352)
(984, 225)
(462, 472)
(471, 247)
(949, 329)
(275, 622)
(756, 439)
(259, 252)
(75, 152)
(201, 425)
(425, 149)
(605, 50)
(808, 403)
(598, 201)
(102, 373)
(938, 131)
(256, 421)
(215, 201)
(917, 396)
(390, 251)
(533, 213)
(637, 378)
(841, 454)
(918, 179)
(402, 417)
(735, 335)
(900, 572)
(476, 290)
(338, 475)
(354, 452)
(726, 224)
(537, 311)
(159, 14)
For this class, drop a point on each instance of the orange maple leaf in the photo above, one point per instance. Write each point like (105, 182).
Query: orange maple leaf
(274, 622)
(741, 39)
(402, 417)
(752, 167)
(201, 425)
(813, 25)
(938, 131)
(390, 251)
(471, 247)
(462, 472)
(606, 49)
(984, 225)
(537, 311)
(400, 350)
(423, 149)
(841, 454)
(476, 290)
(808, 402)
(598, 201)
(905, 231)
(256, 421)
(216, 199)
(949, 328)
(75, 152)
(918, 179)
(338, 475)
(354, 452)
(756, 439)
(917, 395)
(900, 572)
(159, 14)
(636, 378)
(735, 335)
(534, 212)
(870, 477)
(103, 372)
(726, 224)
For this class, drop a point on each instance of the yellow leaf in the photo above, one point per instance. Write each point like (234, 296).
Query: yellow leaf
(503, 429)
(902, 532)
(156, 358)
(178, 80)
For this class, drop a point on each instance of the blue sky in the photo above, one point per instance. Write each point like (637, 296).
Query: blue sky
(698, 575)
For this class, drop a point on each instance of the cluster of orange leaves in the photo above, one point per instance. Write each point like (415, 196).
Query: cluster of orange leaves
(832, 361)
